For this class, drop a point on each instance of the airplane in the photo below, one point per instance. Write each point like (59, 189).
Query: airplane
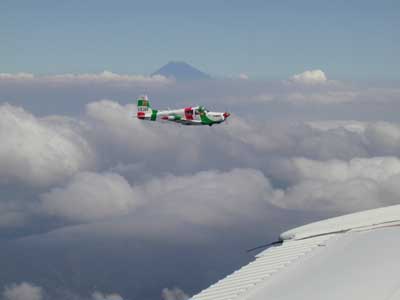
(197, 115)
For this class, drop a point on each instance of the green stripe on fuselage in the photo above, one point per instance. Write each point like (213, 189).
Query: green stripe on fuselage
(154, 114)
(205, 120)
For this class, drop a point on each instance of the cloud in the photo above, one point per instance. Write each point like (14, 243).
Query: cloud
(383, 138)
(115, 123)
(142, 194)
(377, 138)
(339, 197)
(104, 77)
(371, 138)
(23, 291)
(207, 198)
(123, 143)
(170, 184)
(28, 291)
(100, 296)
(344, 186)
(211, 197)
(325, 97)
(310, 77)
(348, 125)
(174, 294)
(148, 147)
(295, 155)
(110, 140)
(16, 76)
(91, 196)
(12, 214)
(40, 151)
(375, 168)
(252, 141)
(108, 76)
(53, 94)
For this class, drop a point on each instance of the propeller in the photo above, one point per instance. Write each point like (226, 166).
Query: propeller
(226, 115)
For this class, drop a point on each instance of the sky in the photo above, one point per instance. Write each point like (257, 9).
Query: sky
(98, 205)
(353, 40)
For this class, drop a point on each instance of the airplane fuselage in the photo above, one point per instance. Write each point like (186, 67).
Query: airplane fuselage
(192, 116)
(196, 115)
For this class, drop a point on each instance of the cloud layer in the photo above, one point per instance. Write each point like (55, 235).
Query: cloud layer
(103, 77)
(116, 203)
(107, 164)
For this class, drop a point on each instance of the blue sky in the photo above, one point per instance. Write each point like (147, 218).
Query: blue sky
(352, 40)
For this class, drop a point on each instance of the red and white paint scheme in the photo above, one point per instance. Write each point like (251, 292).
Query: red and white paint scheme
(196, 115)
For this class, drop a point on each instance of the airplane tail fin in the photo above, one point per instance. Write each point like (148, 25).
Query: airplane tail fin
(143, 107)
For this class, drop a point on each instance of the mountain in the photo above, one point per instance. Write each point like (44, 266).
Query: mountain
(181, 71)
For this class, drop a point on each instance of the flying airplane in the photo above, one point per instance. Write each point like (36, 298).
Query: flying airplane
(197, 115)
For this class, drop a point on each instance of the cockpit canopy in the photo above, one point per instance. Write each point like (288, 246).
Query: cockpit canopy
(202, 109)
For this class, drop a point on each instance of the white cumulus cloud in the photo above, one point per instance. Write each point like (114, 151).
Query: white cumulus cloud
(23, 291)
(40, 151)
(211, 197)
(375, 168)
(310, 77)
(91, 196)
(100, 296)
(383, 137)
(174, 294)
(115, 123)
(344, 186)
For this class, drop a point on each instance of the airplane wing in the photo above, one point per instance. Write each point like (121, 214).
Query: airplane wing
(354, 257)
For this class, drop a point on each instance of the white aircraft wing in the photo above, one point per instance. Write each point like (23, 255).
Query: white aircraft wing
(356, 256)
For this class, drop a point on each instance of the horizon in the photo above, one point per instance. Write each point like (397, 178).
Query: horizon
(240, 76)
